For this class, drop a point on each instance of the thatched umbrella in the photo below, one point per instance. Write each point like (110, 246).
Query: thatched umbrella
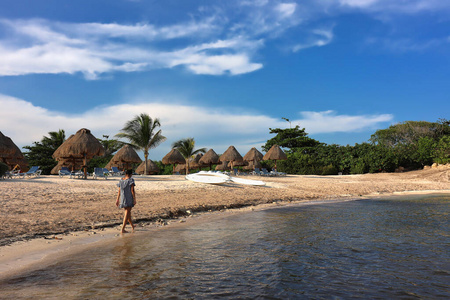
(152, 167)
(194, 163)
(172, 158)
(126, 156)
(253, 155)
(275, 153)
(81, 145)
(231, 155)
(210, 158)
(252, 165)
(111, 164)
(17, 158)
(72, 164)
(8, 149)
(180, 168)
(223, 166)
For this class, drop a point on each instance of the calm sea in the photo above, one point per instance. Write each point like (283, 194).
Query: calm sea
(384, 248)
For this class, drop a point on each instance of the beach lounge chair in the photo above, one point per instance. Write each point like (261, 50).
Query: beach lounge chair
(34, 171)
(115, 171)
(256, 172)
(64, 171)
(264, 172)
(77, 174)
(98, 172)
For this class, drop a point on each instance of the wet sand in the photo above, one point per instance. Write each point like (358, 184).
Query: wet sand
(47, 216)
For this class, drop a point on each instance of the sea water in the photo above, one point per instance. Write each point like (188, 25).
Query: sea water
(379, 248)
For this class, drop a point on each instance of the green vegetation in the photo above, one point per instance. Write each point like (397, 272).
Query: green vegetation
(410, 145)
(40, 153)
(186, 148)
(143, 133)
(3, 169)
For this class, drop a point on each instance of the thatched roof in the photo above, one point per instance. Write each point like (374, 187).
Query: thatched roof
(252, 165)
(223, 166)
(210, 157)
(232, 164)
(275, 153)
(126, 154)
(110, 165)
(180, 168)
(173, 157)
(72, 163)
(81, 144)
(7, 147)
(253, 155)
(152, 167)
(231, 155)
(194, 163)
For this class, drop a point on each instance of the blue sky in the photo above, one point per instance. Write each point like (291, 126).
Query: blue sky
(223, 72)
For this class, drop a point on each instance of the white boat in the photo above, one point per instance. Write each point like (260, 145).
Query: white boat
(220, 178)
(247, 181)
(206, 179)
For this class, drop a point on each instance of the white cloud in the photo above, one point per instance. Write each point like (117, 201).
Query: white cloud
(315, 38)
(397, 7)
(211, 127)
(286, 10)
(329, 121)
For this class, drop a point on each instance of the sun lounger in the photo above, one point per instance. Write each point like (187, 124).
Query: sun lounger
(256, 172)
(98, 172)
(34, 171)
(64, 171)
(115, 171)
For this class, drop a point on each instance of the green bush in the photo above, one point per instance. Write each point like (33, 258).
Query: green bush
(329, 170)
(3, 169)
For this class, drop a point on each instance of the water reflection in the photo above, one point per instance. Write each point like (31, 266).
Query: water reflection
(371, 249)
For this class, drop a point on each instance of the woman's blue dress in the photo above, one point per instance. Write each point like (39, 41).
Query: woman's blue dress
(126, 198)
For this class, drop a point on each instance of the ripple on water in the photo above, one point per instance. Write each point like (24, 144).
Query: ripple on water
(373, 249)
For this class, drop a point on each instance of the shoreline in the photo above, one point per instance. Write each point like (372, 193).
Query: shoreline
(60, 215)
(15, 259)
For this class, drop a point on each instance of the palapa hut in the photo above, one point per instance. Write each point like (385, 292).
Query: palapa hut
(194, 163)
(111, 164)
(275, 153)
(80, 145)
(125, 157)
(71, 164)
(231, 155)
(180, 168)
(253, 165)
(210, 158)
(172, 158)
(224, 166)
(253, 155)
(7, 147)
(152, 168)
(10, 154)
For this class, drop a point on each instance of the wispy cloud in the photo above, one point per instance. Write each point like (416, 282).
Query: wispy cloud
(215, 39)
(397, 7)
(211, 127)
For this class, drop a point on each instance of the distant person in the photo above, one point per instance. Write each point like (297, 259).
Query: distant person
(126, 198)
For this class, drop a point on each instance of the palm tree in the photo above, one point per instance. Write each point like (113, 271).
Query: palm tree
(186, 148)
(143, 134)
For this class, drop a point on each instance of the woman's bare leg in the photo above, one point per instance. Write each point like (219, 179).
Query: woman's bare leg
(129, 219)
(126, 214)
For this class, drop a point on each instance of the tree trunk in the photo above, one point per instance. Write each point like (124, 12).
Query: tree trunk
(145, 159)
(187, 166)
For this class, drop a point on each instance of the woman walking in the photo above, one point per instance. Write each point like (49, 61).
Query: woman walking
(126, 198)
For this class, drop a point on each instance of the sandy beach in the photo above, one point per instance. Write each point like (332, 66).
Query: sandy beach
(49, 209)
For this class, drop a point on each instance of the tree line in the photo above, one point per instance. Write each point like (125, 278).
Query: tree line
(408, 145)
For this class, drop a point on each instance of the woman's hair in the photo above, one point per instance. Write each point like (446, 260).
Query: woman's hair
(129, 172)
